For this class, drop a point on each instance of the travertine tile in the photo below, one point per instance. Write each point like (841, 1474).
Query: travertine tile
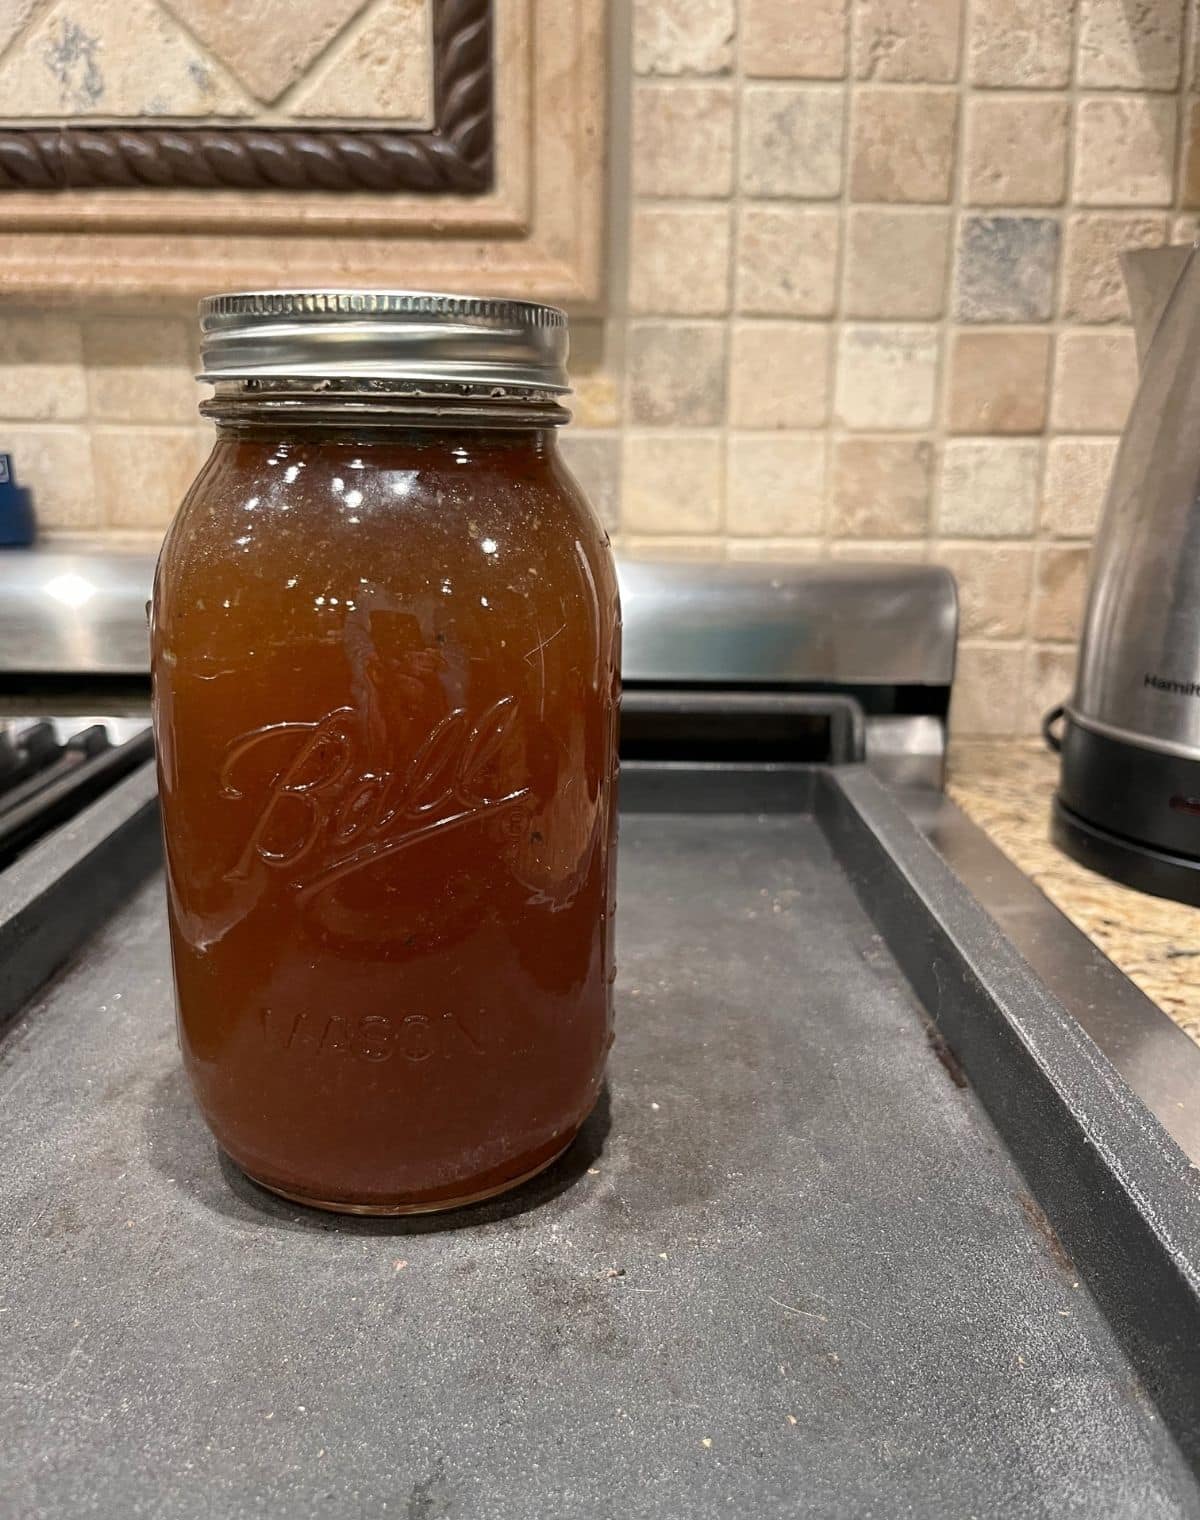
(1051, 678)
(55, 462)
(880, 487)
(1060, 587)
(595, 461)
(902, 144)
(787, 260)
(786, 40)
(672, 483)
(139, 370)
(1124, 150)
(775, 484)
(1136, 47)
(780, 374)
(896, 263)
(993, 587)
(792, 140)
(887, 551)
(13, 16)
(1191, 158)
(683, 36)
(682, 138)
(685, 548)
(142, 474)
(989, 488)
(989, 696)
(679, 260)
(886, 377)
(907, 40)
(1006, 268)
(130, 59)
(593, 363)
(382, 73)
(1093, 289)
(595, 399)
(677, 373)
(1095, 375)
(777, 551)
(268, 44)
(1016, 151)
(1021, 44)
(998, 382)
(1077, 475)
(41, 369)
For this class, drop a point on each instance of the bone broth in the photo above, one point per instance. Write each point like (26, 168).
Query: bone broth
(386, 644)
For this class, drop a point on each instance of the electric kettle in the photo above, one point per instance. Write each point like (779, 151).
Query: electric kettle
(1128, 800)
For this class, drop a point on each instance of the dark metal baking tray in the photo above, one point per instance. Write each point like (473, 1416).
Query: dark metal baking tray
(865, 1226)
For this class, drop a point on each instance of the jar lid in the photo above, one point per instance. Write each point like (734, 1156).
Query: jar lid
(469, 342)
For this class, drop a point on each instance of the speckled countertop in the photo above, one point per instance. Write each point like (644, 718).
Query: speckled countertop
(1006, 789)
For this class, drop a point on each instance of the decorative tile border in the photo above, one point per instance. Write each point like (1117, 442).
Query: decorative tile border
(455, 157)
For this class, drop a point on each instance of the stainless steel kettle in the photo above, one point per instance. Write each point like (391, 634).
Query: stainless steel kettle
(1128, 801)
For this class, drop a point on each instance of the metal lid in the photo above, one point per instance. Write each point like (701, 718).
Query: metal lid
(405, 335)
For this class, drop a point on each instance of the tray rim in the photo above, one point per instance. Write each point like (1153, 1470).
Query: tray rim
(1120, 1195)
(1116, 1190)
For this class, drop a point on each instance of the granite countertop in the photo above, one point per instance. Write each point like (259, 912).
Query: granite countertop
(1006, 789)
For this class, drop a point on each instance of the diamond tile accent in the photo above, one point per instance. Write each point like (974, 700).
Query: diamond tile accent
(13, 16)
(384, 70)
(267, 44)
(77, 61)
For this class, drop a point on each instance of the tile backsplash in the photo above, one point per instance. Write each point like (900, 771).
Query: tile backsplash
(872, 306)
(863, 302)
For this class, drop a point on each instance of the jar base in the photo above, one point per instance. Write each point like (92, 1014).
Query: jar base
(439, 1206)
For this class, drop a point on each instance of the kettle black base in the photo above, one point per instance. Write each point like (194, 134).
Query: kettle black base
(1130, 812)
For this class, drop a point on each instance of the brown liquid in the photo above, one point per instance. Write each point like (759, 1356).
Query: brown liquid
(386, 694)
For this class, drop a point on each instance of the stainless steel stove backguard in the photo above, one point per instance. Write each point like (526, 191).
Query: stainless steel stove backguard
(73, 633)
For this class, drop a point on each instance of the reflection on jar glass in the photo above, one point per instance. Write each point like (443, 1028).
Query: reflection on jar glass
(386, 646)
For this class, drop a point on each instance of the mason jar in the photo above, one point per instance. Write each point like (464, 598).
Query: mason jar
(385, 652)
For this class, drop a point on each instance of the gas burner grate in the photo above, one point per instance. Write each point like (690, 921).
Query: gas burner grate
(50, 769)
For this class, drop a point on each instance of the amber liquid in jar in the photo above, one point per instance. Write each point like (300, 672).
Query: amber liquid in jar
(386, 685)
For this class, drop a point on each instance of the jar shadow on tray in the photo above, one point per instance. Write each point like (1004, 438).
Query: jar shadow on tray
(181, 1149)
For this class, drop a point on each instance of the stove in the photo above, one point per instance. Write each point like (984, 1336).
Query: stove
(891, 1204)
(52, 768)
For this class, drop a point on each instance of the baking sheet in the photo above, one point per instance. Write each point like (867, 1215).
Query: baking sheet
(791, 1266)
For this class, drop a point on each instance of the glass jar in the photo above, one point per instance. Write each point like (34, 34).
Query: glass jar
(385, 656)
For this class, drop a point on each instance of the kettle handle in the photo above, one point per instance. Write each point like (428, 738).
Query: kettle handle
(1053, 740)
